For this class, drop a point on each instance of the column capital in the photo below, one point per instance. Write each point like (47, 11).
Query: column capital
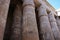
(28, 3)
(51, 16)
(42, 11)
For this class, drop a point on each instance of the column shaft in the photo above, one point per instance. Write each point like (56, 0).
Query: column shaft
(44, 24)
(17, 25)
(30, 31)
(4, 6)
(58, 22)
(54, 26)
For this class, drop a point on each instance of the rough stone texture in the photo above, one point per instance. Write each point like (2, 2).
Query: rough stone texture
(30, 31)
(42, 11)
(27, 25)
(44, 24)
(37, 3)
(54, 26)
(4, 5)
(58, 22)
(17, 27)
(28, 2)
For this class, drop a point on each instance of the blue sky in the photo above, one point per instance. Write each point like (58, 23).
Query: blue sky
(55, 3)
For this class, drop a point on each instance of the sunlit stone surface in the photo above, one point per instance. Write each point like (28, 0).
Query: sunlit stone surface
(44, 23)
(54, 26)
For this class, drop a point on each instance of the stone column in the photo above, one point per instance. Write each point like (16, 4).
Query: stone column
(44, 24)
(17, 27)
(54, 26)
(30, 31)
(4, 6)
(58, 22)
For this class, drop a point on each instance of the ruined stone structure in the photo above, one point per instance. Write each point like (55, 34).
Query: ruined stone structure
(28, 20)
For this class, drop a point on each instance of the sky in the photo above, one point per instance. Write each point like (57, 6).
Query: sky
(55, 3)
